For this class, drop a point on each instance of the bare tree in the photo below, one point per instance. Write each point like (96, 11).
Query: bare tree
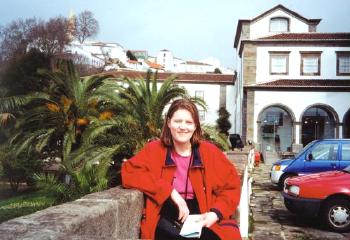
(51, 37)
(15, 37)
(21, 35)
(85, 26)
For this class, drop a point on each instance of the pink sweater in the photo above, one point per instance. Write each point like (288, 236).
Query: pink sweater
(179, 183)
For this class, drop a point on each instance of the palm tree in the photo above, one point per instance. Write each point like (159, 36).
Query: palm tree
(53, 122)
(59, 117)
(146, 102)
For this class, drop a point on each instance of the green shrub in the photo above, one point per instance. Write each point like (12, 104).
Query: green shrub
(223, 122)
(18, 168)
(211, 134)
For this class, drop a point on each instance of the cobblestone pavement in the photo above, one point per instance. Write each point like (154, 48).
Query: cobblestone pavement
(271, 220)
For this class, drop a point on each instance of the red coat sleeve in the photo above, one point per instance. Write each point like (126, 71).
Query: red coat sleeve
(140, 172)
(226, 185)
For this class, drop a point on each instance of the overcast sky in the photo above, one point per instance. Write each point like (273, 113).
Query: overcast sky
(191, 29)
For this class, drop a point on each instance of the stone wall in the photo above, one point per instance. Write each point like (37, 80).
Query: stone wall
(111, 214)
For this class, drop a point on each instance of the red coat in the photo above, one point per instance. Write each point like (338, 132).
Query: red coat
(214, 180)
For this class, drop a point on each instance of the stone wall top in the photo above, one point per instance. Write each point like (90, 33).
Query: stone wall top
(111, 214)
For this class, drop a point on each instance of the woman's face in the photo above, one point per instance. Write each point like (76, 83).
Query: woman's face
(181, 126)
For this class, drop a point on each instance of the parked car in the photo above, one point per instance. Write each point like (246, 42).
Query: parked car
(325, 195)
(317, 156)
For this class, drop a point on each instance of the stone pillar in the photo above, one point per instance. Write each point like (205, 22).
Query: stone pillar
(340, 130)
(297, 136)
(222, 96)
(297, 146)
(249, 78)
(250, 115)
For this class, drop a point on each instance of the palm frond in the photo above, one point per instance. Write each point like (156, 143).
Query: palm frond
(14, 103)
(90, 155)
(44, 140)
(68, 141)
(50, 185)
(98, 128)
(212, 134)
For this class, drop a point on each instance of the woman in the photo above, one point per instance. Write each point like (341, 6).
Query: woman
(181, 174)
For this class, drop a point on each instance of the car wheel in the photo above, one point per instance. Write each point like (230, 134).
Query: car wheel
(336, 214)
(283, 179)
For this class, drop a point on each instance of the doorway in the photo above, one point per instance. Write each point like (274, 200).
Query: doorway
(317, 123)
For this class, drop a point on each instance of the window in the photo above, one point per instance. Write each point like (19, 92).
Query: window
(343, 63)
(345, 152)
(201, 114)
(199, 94)
(279, 24)
(310, 63)
(325, 151)
(279, 63)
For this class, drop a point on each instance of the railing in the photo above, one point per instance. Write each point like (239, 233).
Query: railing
(246, 191)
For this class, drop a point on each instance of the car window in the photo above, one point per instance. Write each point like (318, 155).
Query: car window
(345, 152)
(325, 151)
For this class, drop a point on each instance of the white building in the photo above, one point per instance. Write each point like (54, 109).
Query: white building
(100, 54)
(293, 83)
(166, 59)
(173, 64)
(215, 89)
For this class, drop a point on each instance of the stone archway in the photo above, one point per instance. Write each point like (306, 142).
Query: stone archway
(275, 129)
(318, 122)
(346, 125)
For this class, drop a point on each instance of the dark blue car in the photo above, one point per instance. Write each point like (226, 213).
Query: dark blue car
(317, 156)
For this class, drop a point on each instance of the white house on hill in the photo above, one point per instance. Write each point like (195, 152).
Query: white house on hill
(293, 83)
(99, 54)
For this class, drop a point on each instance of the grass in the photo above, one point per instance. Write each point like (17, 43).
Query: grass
(22, 203)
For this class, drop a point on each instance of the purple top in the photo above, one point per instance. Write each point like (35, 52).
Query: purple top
(180, 177)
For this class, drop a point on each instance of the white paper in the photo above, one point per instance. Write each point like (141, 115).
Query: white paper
(192, 227)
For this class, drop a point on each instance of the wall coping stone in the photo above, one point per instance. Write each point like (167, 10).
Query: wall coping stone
(110, 214)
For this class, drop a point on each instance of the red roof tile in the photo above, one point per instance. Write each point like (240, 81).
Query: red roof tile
(196, 63)
(308, 36)
(154, 65)
(305, 83)
(133, 61)
(181, 77)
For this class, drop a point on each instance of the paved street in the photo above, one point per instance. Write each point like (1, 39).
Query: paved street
(271, 220)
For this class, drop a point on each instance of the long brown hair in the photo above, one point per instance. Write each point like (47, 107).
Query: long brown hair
(188, 105)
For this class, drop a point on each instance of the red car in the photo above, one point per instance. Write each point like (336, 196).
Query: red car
(324, 194)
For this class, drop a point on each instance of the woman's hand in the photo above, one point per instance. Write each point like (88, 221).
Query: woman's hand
(209, 218)
(181, 205)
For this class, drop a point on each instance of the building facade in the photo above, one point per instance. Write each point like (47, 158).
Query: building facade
(215, 89)
(293, 83)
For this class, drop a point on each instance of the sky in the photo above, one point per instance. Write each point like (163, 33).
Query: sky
(191, 29)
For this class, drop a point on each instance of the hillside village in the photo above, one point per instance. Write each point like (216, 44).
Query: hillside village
(113, 56)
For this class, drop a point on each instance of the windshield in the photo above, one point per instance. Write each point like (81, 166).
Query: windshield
(306, 147)
(347, 169)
